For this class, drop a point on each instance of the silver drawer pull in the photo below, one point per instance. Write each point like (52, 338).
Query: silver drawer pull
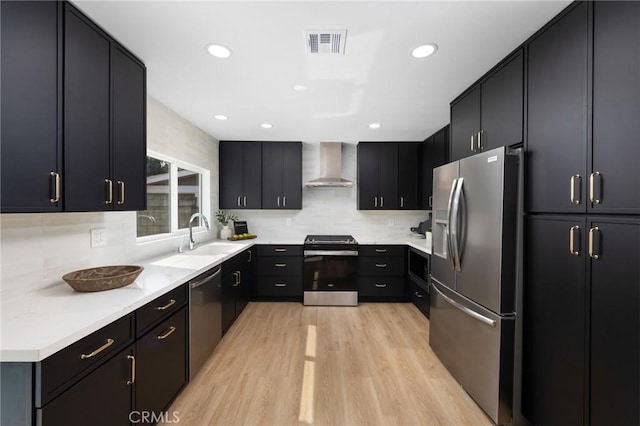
(56, 189)
(108, 343)
(381, 285)
(280, 284)
(280, 265)
(280, 250)
(379, 250)
(133, 369)
(167, 306)
(168, 333)
(418, 295)
(381, 265)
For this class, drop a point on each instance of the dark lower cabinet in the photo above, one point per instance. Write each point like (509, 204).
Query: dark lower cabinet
(103, 398)
(420, 296)
(280, 272)
(161, 364)
(615, 321)
(555, 321)
(237, 283)
(381, 273)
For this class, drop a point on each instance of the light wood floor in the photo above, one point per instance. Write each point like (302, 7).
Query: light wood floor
(288, 364)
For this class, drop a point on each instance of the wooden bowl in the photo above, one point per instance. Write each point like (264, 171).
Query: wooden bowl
(102, 277)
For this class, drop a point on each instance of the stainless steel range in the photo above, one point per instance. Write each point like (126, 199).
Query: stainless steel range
(330, 270)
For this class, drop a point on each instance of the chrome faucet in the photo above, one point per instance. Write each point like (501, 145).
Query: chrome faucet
(206, 225)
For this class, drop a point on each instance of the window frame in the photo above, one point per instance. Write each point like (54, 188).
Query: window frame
(205, 203)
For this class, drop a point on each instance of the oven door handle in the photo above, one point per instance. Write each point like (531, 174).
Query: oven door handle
(330, 252)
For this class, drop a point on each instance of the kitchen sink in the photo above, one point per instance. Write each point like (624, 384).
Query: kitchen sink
(212, 249)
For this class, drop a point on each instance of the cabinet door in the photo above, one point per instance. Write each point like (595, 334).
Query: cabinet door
(465, 122)
(292, 175)
(615, 323)
(555, 327)
(368, 176)
(408, 175)
(231, 174)
(229, 282)
(103, 398)
(86, 116)
(435, 153)
(161, 363)
(252, 175)
(501, 106)
(557, 115)
(616, 106)
(31, 106)
(388, 175)
(129, 131)
(272, 172)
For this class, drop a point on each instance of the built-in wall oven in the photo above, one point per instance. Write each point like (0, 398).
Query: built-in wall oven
(330, 270)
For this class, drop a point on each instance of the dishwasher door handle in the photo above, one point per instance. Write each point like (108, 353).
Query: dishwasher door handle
(196, 284)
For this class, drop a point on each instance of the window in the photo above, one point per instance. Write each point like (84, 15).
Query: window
(175, 191)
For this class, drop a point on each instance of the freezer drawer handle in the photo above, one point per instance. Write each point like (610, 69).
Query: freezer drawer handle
(466, 310)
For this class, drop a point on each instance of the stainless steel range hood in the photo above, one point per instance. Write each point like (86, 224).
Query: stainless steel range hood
(330, 168)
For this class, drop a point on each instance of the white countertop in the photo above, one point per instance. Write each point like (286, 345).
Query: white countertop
(44, 321)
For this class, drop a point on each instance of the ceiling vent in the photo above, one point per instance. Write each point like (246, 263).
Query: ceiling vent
(325, 41)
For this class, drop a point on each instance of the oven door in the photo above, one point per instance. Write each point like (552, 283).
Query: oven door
(330, 270)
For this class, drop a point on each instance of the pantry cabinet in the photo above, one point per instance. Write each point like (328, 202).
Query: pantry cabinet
(68, 87)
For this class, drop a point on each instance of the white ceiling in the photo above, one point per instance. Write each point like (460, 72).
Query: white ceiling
(376, 80)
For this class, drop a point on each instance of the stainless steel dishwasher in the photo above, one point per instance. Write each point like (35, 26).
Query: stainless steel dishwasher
(205, 317)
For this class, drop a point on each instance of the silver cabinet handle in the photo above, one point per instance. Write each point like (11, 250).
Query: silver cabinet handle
(280, 250)
(280, 265)
(245, 201)
(381, 201)
(239, 205)
(375, 201)
(379, 250)
(381, 285)
(473, 145)
(249, 259)
(237, 275)
(572, 244)
(167, 306)
(95, 352)
(284, 201)
(278, 201)
(167, 333)
(133, 370)
(381, 265)
(592, 191)
(480, 140)
(466, 310)
(401, 202)
(109, 199)
(418, 295)
(592, 252)
(430, 200)
(573, 191)
(280, 284)
(56, 187)
(121, 192)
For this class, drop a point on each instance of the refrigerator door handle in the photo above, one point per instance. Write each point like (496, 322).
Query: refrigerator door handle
(455, 221)
(464, 309)
(448, 228)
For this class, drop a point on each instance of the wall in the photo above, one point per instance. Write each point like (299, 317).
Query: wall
(37, 249)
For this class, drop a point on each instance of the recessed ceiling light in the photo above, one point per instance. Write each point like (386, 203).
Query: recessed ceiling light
(266, 125)
(299, 88)
(424, 50)
(218, 50)
(375, 125)
(220, 117)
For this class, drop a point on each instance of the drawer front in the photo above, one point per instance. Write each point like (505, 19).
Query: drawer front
(279, 286)
(419, 297)
(282, 265)
(159, 308)
(381, 250)
(161, 363)
(381, 286)
(280, 250)
(64, 367)
(381, 266)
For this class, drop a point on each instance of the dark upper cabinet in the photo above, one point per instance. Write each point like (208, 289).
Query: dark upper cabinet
(491, 114)
(616, 107)
(377, 176)
(555, 322)
(409, 154)
(281, 175)
(66, 88)
(31, 151)
(555, 171)
(615, 323)
(435, 153)
(240, 175)
(129, 147)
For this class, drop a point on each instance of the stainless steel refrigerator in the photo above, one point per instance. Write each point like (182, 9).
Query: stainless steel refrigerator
(473, 276)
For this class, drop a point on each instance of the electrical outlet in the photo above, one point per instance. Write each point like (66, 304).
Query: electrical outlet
(391, 223)
(98, 237)
(288, 221)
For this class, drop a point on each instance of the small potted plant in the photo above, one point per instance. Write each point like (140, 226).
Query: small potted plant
(223, 219)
